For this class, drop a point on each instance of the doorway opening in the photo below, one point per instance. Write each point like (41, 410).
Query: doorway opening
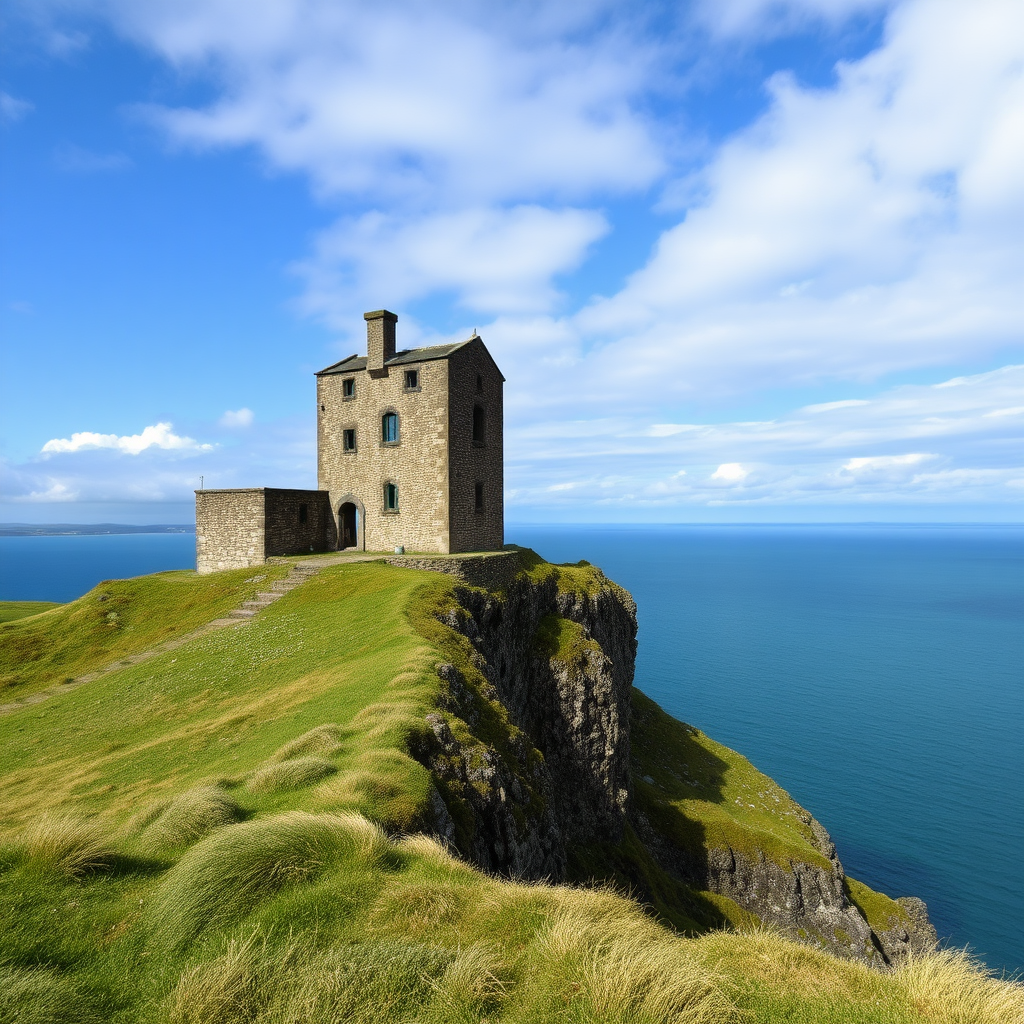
(348, 516)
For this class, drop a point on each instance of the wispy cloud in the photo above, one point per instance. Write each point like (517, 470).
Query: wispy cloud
(76, 160)
(13, 109)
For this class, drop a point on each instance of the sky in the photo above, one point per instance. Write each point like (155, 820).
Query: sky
(739, 260)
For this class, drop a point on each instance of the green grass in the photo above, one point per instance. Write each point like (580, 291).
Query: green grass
(213, 836)
(11, 610)
(116, 619)
(703, 795)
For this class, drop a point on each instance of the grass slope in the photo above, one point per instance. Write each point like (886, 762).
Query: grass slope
(11, 610)
(189, 840)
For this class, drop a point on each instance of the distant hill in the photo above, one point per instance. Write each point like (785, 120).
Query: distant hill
(87, 529)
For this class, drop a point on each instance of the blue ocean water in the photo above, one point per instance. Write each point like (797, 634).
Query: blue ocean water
(63, 568)
(877, 673)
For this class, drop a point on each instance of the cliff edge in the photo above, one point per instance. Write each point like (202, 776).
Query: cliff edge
(548, 764)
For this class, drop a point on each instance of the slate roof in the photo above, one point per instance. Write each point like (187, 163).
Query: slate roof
(409, 355)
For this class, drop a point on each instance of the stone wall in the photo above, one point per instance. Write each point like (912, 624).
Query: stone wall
(417, 464)
(229, 529)
(296, 521)
(240, 527)
(475, 380)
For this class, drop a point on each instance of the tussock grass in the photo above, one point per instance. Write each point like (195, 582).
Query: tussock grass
(950, 987)
(281, 776)
(190, 817)
(603, 965)
(228, 873)
(324, 740)
(68, 845)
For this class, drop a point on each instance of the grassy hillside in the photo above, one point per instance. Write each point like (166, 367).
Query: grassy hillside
(11, 610)
(211, 836)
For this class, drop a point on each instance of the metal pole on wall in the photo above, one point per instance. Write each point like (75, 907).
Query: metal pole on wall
(201, 479)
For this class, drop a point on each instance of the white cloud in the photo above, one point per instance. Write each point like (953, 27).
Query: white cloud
(239, 418)
(476, 103)
(851, 231)
(158, 436)
(493, 260)
(730, 473)
(13, 109)
(913, 444)
(874, 463)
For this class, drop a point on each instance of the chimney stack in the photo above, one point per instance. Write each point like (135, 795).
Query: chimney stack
(380, 338)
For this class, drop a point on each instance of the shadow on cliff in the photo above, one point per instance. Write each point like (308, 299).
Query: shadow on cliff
(662, 859)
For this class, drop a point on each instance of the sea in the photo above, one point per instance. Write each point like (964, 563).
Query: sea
(875, 672)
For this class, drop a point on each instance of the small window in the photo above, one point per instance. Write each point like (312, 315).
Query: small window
(391, 497)
(389, 428)
(479, 382)
(303, 513)
(412, 380)
(478, 496)
(348, 439)
(323, 408)
(348, 387)
(479, 425)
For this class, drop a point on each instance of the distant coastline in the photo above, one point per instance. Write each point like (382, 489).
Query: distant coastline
(86, 529)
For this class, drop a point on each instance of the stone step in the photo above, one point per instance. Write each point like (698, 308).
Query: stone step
(242, 613)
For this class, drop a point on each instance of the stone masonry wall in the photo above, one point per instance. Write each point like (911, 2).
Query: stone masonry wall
(417, 463)
(288, 529)
(229, 529)
(472, 462)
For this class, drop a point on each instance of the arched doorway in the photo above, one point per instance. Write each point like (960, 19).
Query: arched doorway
(348, 526)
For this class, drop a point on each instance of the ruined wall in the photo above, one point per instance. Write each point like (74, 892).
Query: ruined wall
(296, 521)
(229, 529)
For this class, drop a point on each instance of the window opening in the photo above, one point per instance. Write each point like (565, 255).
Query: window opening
(412, 380)
(479, 382)
(348, 387)
(391, 497)
(323, 408)
(478, 496)
(479, 425)
(303, 513)
(348, 439)
(389, 428)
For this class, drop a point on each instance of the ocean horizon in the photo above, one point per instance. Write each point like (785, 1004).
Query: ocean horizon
(873, 670)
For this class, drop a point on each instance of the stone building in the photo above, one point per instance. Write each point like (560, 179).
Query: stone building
(409, 454)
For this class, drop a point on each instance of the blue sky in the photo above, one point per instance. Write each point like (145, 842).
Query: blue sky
(739, 260)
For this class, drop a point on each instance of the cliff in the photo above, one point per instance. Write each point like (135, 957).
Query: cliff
(549, 765)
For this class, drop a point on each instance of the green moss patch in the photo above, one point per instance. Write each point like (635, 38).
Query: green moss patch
(702, 795)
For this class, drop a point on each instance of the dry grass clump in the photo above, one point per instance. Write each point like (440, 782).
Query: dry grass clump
(949, 987)
(228, 873)
(294, 774)
(69, 845)
(604, 963)
(194, 814)
(324, 740)
(41, 996)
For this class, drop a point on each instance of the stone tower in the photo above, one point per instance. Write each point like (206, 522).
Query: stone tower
(409, 445)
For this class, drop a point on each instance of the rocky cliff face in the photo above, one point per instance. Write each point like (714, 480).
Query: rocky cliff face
(530, 751)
